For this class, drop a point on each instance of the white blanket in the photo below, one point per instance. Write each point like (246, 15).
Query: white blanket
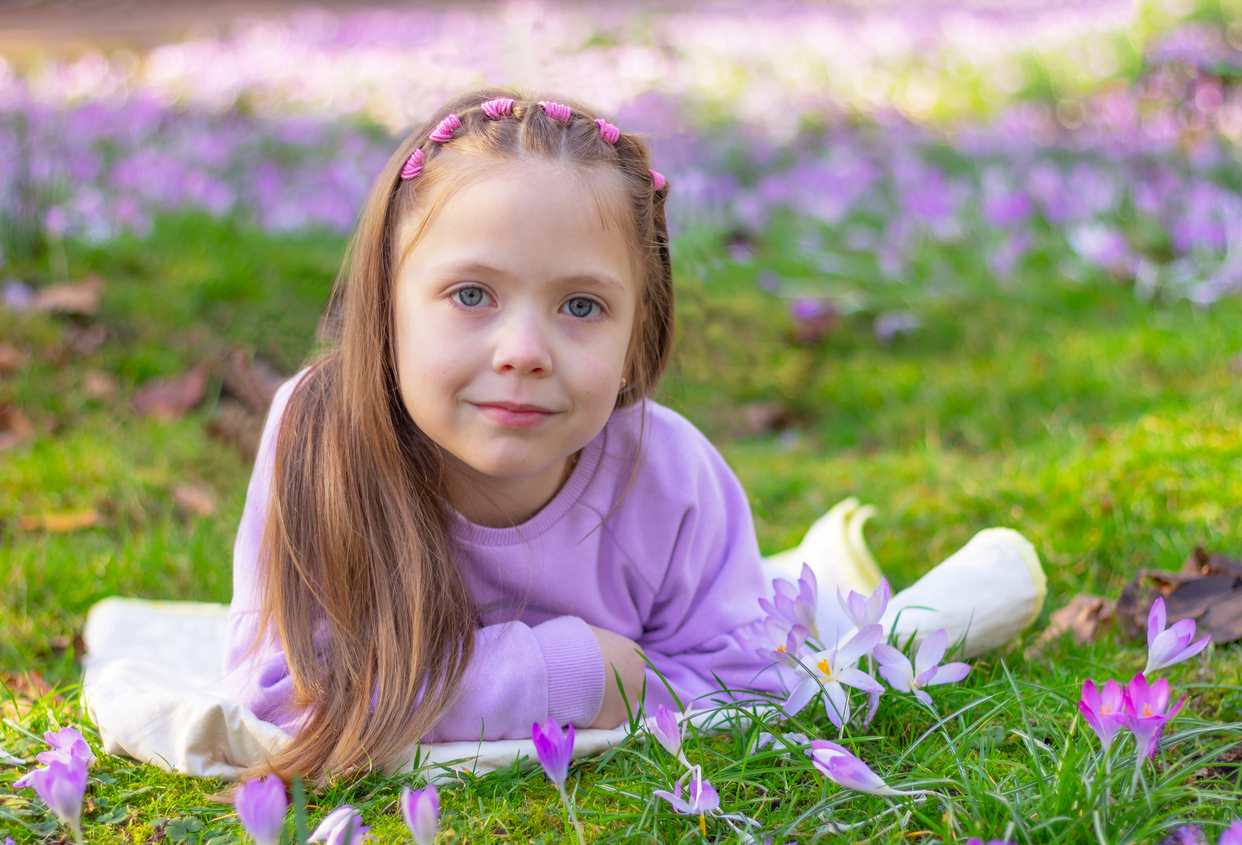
(152, 668)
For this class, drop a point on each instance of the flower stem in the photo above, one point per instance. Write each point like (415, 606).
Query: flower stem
(569, 808)
(77, 833)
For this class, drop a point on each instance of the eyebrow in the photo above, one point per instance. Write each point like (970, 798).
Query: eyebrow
(466, 267)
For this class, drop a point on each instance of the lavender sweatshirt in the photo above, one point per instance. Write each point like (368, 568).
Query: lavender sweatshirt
(676, 569)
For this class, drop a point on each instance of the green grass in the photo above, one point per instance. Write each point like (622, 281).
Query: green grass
(1104, 428)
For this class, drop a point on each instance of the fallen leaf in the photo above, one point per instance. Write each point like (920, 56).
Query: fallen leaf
(12, 359)
(252, 380)
(99, 385)
(15, 427)
(1208, 589)
(61, 643)
(765, 417)
(26, 689)
(235, 424)
(59, 522)
(170, 398)
(71, 297)
(195, 499)
(84, 341)
(1084, 617)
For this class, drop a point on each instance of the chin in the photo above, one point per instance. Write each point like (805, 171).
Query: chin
(507, 465)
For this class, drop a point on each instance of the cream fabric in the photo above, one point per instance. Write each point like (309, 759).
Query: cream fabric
(152, 668)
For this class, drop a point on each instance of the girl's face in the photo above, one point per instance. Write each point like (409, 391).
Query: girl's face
(519, 292)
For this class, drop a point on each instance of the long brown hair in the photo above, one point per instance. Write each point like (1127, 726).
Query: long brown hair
(356, 563)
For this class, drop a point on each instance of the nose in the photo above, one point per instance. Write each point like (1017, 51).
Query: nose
(521, 346)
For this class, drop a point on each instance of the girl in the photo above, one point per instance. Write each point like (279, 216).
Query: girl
(466, 515)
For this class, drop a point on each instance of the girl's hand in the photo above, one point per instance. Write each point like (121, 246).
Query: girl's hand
(621, 653)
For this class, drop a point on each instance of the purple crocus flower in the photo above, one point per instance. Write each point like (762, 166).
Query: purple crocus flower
(343, 826)
(813, 318)
(665, 728)
(926, 670)
(1187, 834)
(975, 840)
(1232, 834)
(794, 603)
(844, 769)
(555, 749)
(1167, 646)
(261, 805)
(61, 784)
(421, 810)
(833, 668)
(1104, 711)
(66, 743)
(775, 640)
(866, 610)
(700, 799)
(1147, 711)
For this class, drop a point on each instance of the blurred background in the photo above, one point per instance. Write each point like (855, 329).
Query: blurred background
(977, 262)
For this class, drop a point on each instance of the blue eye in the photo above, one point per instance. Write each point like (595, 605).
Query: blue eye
(471, 296)
(589, 304)
(470, 302)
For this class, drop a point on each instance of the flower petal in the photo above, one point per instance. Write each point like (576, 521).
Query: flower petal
(930, 651)
(800, 697)
(949, 673)
(1155, 620)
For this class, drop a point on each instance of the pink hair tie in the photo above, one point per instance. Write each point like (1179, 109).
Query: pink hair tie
(413, 165)
(445, 129)
(610, 132)
(498, 108)
(557, 111)
(657, 180)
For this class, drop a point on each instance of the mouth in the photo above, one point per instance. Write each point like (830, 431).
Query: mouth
(504, 414)
(516, 407)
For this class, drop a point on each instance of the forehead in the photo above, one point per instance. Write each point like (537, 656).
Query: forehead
(533, 216)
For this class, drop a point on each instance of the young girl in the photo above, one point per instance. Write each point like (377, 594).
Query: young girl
(467, 515)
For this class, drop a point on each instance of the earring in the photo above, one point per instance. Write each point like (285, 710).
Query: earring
(622, 382)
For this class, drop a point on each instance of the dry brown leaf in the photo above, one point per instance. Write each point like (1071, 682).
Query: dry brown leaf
(195, 499)
(84, 341)
(59, 522)
(27, 688)
(1208, 589)
(1084, 617)
(71, 297)
(12, 359)
(234, 424)
(15, 427)
(252, 380)
(765, 417)
(99, 385)
(170, 398)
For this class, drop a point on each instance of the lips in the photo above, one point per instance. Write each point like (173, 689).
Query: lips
(516, 406)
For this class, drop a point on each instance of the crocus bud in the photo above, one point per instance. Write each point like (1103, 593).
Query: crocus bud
(421, 810)
(555, 749)
(61, 785)
(261, 805)
(343, 826)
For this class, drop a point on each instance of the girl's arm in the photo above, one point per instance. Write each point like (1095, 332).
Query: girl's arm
(518, 674)
(695, 632)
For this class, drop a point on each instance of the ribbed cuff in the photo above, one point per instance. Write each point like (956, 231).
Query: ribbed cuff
(575, 670)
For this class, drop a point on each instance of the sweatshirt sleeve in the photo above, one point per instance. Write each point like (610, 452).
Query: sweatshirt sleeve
(705, 607)
(517, 673)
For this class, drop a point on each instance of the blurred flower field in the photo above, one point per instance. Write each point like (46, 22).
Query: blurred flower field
(977, 263)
